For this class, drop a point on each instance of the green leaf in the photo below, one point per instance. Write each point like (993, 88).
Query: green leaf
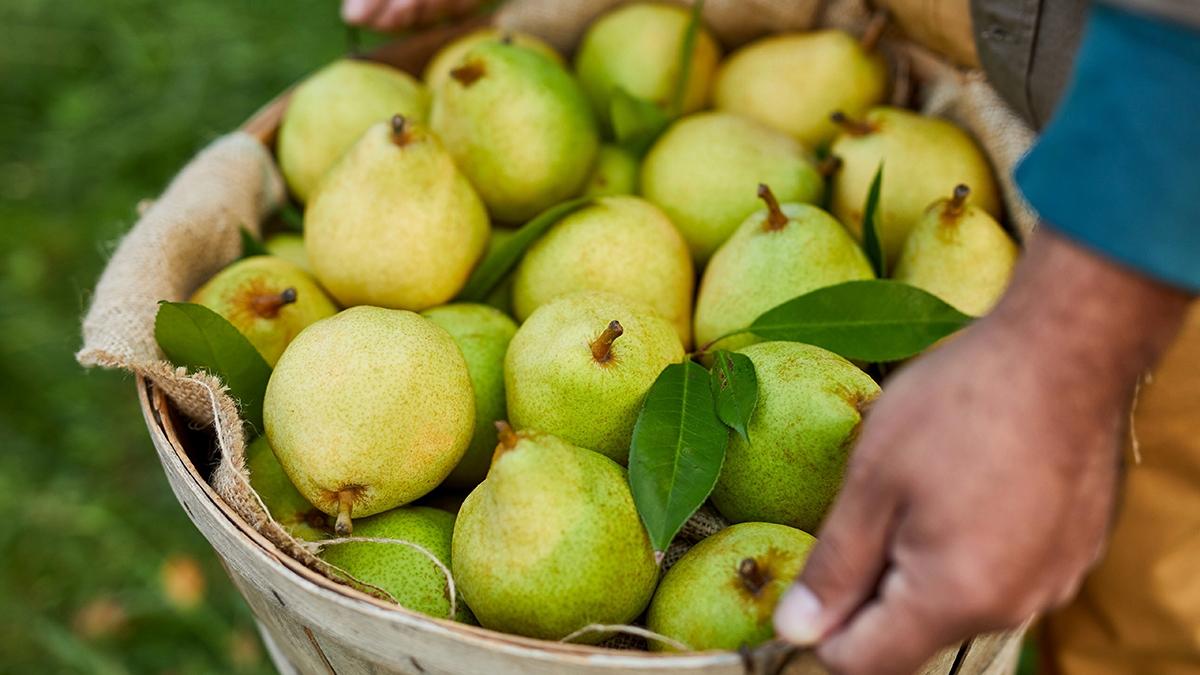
(637, 123)
(686, 50)
(677, 451)
(870, 224)
(503, 258)
(292, 217)
(251, 246)
(735, 389)
(877, 320)
(197, 338)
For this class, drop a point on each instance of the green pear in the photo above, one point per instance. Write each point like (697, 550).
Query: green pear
(580, 366)
(810, 404)
(779, 253)
(551, 542)
(624, 245)
(921, 156)
(722, 592)
(483, 334)
(290, 247)
(331, 109)
(407, 574)
(268, 299)
(615, 173)
(637, 48)
(704, 171)
(395, 224)
(519, 126)
(500, 297)
(283, 501)
(451, 56)
(794, 82)
(959, 253)
(369, 410)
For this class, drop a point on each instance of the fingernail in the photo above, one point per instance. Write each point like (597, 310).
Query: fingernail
(797, 616)
(355, 10)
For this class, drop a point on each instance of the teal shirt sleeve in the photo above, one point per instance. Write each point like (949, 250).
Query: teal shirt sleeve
(1118, 167)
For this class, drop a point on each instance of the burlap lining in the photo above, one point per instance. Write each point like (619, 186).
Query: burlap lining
(192, 231)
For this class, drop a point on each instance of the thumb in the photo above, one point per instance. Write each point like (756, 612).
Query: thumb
(844, 568)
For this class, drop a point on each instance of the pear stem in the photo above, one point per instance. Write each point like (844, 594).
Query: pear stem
(852, 126)
(957, 202)
(508, 437)
(753, 577)
(400, 130)
(267, 306)
(776, 218)
(506, 39)
(344, 527)
(829, 166)
(602, 345)
(875, 29)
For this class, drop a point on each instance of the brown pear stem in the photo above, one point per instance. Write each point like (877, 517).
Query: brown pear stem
(508, 437)
(401, 130)
(852, 126)
(875, 29)
(776, 218)
(506, 39)
(268, 305)
(958, 201)
(344, 527)
(602, 345)
(752, 576)
(829, 166)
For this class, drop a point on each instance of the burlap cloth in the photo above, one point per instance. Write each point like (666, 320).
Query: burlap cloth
(192, 230)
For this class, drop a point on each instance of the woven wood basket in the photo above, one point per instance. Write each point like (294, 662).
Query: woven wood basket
(311, 624)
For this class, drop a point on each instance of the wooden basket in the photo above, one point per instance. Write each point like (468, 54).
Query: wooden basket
(314, 625)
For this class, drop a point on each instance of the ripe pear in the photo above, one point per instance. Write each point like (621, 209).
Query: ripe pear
(268, 299)
(405, 573)
(551, 542)
(580, 366)
(369, 410)
(624, 245)
(483, 334)
(637, 48)
(331, 109)
(959, 253)
(395, 224)
(794, 82)
(779, 253)
(722, 592)
(921, 156)
(283, 501)
(290, 247)
(810, 404)
(615, 173)
(519, 126)
(704, 171)
(451, 56)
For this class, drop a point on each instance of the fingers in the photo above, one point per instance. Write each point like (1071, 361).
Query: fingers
(360, 12)
(400, 14)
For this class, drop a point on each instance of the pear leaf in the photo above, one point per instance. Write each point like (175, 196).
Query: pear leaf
(678, 448)
(292, 217)
(197, 338)
(501, 259)
(686, 51)
(735, 390)
(251, 246)
(637, 123)
(872, 245)
(877, 320)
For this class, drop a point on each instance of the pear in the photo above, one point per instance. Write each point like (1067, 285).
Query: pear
(331, 109)
(921, 156)
(959, 253)
(722, 592)
(290, 247)
(483, 334)
(637, 48)
(406, 574)
(395, 224)
(551, 542)
(810, 404)
(580, 366)
(369, 410)
(283, 501)
(451, 56)
(704, 170)
(519, 126)
(794, 82)
(615, 173)
(268, 299)
(779, 253)
(624, 245)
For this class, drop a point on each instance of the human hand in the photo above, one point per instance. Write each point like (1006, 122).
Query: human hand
(390, 15)
(982, 485)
